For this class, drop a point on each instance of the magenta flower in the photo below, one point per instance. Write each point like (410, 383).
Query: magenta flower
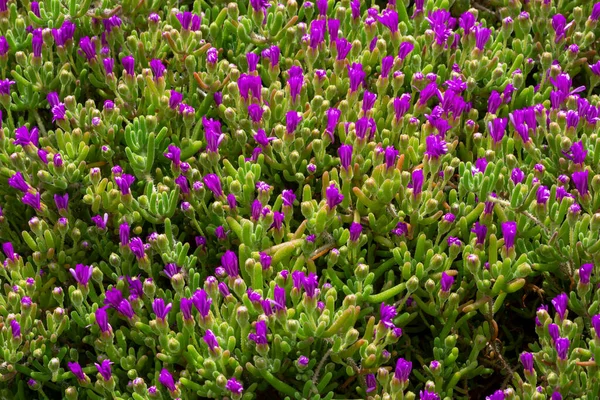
(260, 337)
(15, 328)
(403, 369)
(334, 197)
(75, 368)
(158, 69)
(211, 340)
(229, 261)
(17, 181)
(88, 48)
(166, 379)
(32, 200)
(82, 273)
(137, 247)
(124, 183)
(24, 137)
(213, 183)
(345, 154)
(102, 319)
(233, 385)
(509, 231)
(160, 309)
(104, 369)
(446, 282)
(580, 180)
(386, 315)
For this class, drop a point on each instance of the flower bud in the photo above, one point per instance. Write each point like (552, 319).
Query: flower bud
(413, 284)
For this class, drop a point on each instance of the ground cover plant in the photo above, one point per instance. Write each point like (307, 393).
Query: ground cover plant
(305, 200)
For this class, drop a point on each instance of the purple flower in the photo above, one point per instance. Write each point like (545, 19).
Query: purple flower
(202, 302)
(18, 182)
(260, 337)
(453, 241)
(560, 304)
(446, 282)
(322, 7)
(223, 289)
(82, 273)
(357, 76)
(559, 24)
(542, 195)
(15, 328)
(160, 309)
(255, 112)
(24, 136)
(137, 247)
(53, 99)
(212, 134)
(371, 383)
(128, 63)
(5, 86)
(158, 69)
(171, 269)
(482, 35)
(585, 273)
(480, 166)
(166, 379)
(427, 395)
(390, 156)
(389, 19)
(212, 56)
(317, 33)
(272, 53)
(580, 180)
(303, 361)
(173, 152)
(113, 297)
(185, 306)
(596, 324)
(100, 221)
(428, 92)
(124, 233)
(562, 347)
(386, 315)
(436, 146)
(333, 117)
(450, 218)
(509, 231)
(417, 181)
(554, 332)
(32, 200)
(233, 385)
(401, 229)
(211, 340)
(405, 49)
(402, 370)
(334, 197)
(467, 22)
(229, 261)
(104, 369)
(343, 48)
(494, 102)
(527, 361)
(292, 119)
(288, 197)
(75, 368)
(189, 21)
(36, 42)
(595, 12)
(401, 105)
(3, 46)
(213, 183)
(517, 176)
(355, 231)
(109, 65)
(124, 183)
(497, 395)
(87, 47)
(249, 84)
(480, 232)
(102, 318)
(174, 101)
(345, 154)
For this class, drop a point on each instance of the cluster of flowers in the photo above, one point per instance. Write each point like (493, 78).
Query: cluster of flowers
(321, 200)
